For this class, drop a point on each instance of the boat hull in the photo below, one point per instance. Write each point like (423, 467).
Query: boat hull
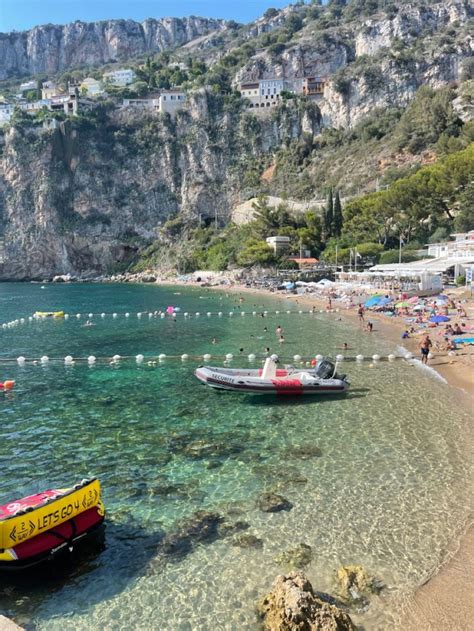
(286, 384)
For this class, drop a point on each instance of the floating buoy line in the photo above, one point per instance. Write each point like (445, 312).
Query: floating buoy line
(140, 359)
(160, 315)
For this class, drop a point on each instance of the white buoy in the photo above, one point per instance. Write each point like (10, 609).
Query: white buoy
(277, 312)
(337, 310)
(265, 313)
(220, 314)
(102, 315)
(44, 359)
(340, 358)
(30, 318)
(114, 315)
(376, 358)
(207, 357)
(288, 311)
(186, 314)
(229, 357)
(139, 315)
(242, 313)
(78, 315)
(321, 311)
(150, 315)
(139, 359)
(300, 311)
(22, 320)
(254, 313)
(391, 357)
(68, 360)
(318, 358)
(91, 315)
(208, 314)
(197, 314)
(409, 356)
(20, 360)
(91, 360)
(184, 357)
(162, 357)
(127, 315)
(297, 358)
(231, 313)
(359, 358)
(251, 357)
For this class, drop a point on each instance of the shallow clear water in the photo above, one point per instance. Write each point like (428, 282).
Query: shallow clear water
(389, 490)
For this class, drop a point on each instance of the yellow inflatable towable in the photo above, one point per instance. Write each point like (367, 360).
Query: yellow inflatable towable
(49, 314)
(37, 527)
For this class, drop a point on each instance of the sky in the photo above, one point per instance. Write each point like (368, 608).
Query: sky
(20, 15)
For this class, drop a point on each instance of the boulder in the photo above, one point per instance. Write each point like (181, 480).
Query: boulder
(292, 605)
(304, 452)
(273, 503)
(297, 557)
(201, 527)
(246, 540)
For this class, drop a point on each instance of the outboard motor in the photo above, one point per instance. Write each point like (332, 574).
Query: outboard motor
(325, 369)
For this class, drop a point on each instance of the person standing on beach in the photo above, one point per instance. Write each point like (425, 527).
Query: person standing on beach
(425, 346)
(360, 311)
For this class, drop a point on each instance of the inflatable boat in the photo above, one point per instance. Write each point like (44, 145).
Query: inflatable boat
(290, 381)
(39, 527)
(48, 314)
(6, 385)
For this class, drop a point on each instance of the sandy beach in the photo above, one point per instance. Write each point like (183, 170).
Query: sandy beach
(446, 600)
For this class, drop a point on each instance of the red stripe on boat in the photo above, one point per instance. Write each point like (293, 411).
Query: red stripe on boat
(288, 386)
(47, 541)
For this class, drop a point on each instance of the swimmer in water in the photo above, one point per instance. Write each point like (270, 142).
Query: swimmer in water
(214, 341)
(87, 324)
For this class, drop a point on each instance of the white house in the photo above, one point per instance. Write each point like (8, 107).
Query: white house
(265, 92)
(91, 87)
(463, 245)
(49, 89)
(278, 243)
(121, 77)
(28, 85)
(6, 112)
(142, 104)
(171, 100)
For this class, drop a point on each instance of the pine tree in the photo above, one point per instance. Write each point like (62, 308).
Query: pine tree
(328, 215)
(338, 219)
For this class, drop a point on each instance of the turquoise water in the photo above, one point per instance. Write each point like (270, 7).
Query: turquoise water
(389, 490)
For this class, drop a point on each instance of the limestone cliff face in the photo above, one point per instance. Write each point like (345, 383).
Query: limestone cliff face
(83, 198)
(382, 59)
(52, 48)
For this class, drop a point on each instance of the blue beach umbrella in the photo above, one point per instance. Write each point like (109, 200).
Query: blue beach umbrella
(439, 318)
(384, 301)
(371, 302)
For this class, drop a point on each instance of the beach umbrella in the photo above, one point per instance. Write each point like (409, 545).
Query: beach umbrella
(439, 318)
(413, 300)
(419, 308)
(384, 301)
(402, 305)
(371, 302)
(169, 309)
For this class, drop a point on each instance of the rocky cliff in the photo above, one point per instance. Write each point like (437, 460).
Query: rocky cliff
(51, 48)
(84, 197)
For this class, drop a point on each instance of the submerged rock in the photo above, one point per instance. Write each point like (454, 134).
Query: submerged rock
(292, 605)
(226, 529)
(273, 503)
(246, 540)
(304, 452)
(297, 557)
(354, 584)
(201, 527)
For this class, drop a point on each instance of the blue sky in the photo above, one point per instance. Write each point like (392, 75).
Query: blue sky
(23, 14)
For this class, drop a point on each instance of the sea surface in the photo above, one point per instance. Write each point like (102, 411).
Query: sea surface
(379, 478)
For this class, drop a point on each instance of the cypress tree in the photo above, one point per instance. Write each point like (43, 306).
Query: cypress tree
(329, 215)
(338, 219)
